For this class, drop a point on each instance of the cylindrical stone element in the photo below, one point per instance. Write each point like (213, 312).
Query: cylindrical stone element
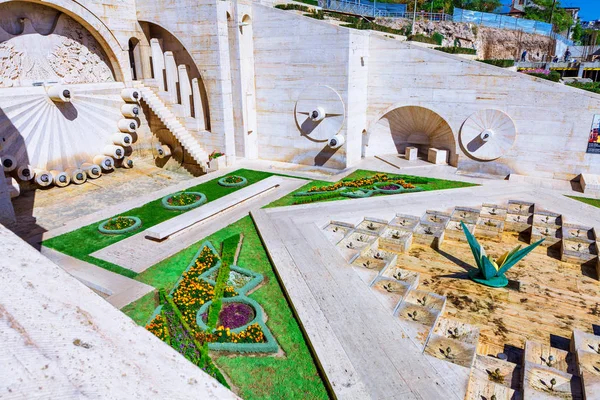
(77, 175)
(93, 171)
(114, 151)
(163, 151)
(60, 178)
(130, 110)
(337, 141)
(60, 93)
(105, 162)
(25, 172)
(131, 95)
(14, 189)
(42, 177)
(9, 163)
(128, 125)
(122, 139)
(127, 163)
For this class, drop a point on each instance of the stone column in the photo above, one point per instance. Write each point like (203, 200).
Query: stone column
(185, 89)
(172, 77)
(158, 63)
(198, 106)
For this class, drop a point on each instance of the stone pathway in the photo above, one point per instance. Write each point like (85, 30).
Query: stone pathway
(138, 253)
(117, 289)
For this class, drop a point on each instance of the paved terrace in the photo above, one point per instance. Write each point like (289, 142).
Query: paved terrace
(362, 348)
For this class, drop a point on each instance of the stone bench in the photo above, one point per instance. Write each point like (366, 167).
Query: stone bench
(165, 229)
(437, 156)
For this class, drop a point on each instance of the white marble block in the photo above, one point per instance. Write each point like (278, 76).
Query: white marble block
(590, 183)
(158, 63)
(185, 88)
(172, 77)
(198, 108)
(437, 156)
(411, 153)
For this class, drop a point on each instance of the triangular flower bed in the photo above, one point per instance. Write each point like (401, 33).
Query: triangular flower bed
(193, 295)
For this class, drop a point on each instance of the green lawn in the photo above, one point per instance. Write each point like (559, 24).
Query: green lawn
(86, 240)
(591, 202)
(292, 376)
(427, 184)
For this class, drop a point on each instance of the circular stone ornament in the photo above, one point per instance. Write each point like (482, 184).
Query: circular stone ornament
(241, 183)
(136, 225)
(488, 134)
(320, 113)
(201, 200)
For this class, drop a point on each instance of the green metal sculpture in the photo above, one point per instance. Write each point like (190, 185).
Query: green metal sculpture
(490, 272)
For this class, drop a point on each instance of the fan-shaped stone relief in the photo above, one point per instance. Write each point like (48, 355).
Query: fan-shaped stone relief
(487, 135)
(70, 54)
(320, 113)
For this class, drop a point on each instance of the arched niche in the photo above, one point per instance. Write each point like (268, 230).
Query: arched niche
(410, 126)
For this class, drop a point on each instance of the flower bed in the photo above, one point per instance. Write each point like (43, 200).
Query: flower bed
(193, 295)
(120, 225)
(233, 181)
(388, 188)
(183, 201)
(234, 315)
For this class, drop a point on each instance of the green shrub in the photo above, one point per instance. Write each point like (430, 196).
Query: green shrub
(552, 76)
(593, 87)
(316, 14)
(310, 2)
(423, 39)
(297, 7)
(438, 37)
(457, 50)
(500, 63)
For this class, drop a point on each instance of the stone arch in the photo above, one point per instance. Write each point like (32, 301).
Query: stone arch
(97, 28)
(170, 42)
(404, 126)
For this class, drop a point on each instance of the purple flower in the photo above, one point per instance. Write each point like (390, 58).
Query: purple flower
(234, 315)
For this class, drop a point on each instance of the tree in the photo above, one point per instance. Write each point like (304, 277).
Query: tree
(577, 32)
(551, 12)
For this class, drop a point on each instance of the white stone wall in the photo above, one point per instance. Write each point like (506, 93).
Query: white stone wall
(553, 121)
(292, 53)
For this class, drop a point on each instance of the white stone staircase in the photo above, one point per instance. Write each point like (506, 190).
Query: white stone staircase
(178, 130)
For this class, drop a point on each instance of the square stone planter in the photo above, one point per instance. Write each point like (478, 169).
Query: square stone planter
(217, 163)
(460, 353)
(545, 355)
(518, 223)
(547, 219)
(336, 231)
(496, 371)
(395, 240)
(418, 314)
(537, 383)
(489, 228)
(367, 267)
(355, 243)
(372, 225)
(435, 218)
(406, 222)
(429, 234)
(520, 207)
(454, 230)
(466, 214)
(551, 233)
(410, 278)
(578, 252)
(390, 292)
(493, 211)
